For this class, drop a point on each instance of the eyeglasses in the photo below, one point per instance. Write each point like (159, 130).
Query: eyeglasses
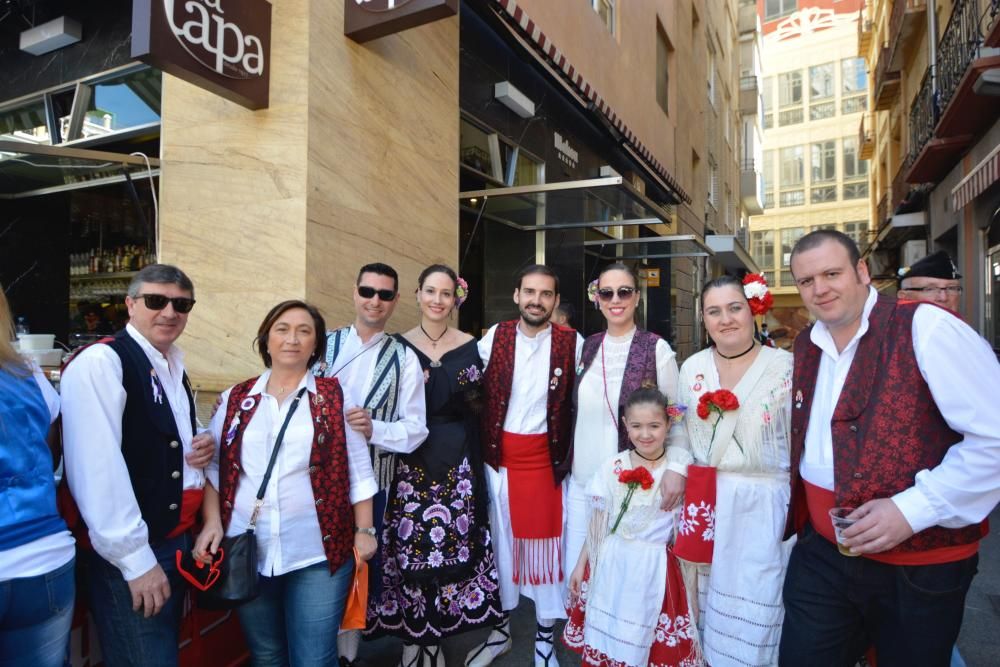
(182, 304)
(606, 293)
(950, 289)
(366, 292)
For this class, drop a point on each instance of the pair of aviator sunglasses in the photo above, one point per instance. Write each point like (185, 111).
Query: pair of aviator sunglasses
(606, 293)
(366, 292)
(182, 304)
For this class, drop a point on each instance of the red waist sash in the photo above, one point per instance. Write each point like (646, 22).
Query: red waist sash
(821, 501)
(536, 509)
(190, 504)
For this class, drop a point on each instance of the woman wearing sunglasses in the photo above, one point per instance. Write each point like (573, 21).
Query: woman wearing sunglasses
(614, 364)
(317, 503)
(36, 550)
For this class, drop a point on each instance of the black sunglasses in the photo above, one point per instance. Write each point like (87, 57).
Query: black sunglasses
(606, 293)
(182, 304)
(366, 292)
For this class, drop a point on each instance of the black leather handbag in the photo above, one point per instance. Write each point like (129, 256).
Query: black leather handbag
(239, 581)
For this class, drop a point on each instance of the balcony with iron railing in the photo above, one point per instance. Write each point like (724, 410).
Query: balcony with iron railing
(866, 137)
(886, 82)
(992, 37)
(749, 95)
(865, 30)
(882, 211)
(945, 121)
(906, 19)
(747, 21)
(900, 189)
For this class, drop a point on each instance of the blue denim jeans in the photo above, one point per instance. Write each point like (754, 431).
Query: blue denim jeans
(128, 638)
(837, 606)
(35, 618)
(295, 620)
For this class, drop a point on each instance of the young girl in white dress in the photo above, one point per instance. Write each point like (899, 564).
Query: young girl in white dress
(628, 606)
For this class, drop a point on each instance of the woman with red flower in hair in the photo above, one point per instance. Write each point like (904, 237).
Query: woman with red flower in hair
(629, 607)
(732, 520)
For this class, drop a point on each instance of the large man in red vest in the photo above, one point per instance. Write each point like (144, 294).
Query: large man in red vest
(527, 427)
(894, 414)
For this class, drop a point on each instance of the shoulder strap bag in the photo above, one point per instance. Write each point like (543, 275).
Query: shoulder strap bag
(239, 581)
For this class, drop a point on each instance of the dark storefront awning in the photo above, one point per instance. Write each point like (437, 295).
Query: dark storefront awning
(28, 170)
(596, 203)
(900, 228)
(670, 246)
(731, 254)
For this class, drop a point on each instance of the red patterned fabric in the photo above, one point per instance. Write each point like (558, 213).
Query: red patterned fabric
(327, 463)
(886, 426)
(696, 521)
(497, 387)
(673, 639)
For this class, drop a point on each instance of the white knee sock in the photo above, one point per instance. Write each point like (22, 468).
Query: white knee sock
(348, 642)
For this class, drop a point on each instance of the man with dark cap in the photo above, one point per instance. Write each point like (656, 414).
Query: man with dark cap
(934, 278)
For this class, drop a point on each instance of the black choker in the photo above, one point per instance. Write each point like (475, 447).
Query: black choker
(737, 356)
(662, 454)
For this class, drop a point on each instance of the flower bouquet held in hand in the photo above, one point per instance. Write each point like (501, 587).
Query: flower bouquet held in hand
(633, 478)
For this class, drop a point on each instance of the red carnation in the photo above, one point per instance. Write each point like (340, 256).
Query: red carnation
(718, 402)
(633, 478)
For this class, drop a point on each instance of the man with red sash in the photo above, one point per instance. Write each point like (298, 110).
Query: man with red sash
(526, 431)
(894, 414)
(133, 464)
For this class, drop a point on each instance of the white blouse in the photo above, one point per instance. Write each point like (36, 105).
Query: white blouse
(288, 530)
(595, 437)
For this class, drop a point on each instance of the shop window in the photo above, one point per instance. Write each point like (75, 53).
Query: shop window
(606, 10)
(664, 52)
(480, 150)
(858, 230)
(774, 9)
(528, 171)
(762, 248)
(123, 102)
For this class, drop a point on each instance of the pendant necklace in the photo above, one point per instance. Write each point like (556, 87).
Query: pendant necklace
(607, 399)
(737, 356)
(434, 341)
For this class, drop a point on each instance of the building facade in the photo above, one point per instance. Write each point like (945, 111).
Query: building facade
(933, 140)
(815, 92)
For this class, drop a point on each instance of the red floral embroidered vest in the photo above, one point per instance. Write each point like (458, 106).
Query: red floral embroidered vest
(497, 386)
(886, 426)
(327, 463)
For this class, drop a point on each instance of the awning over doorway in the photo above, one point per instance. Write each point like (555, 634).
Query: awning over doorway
(28, 170)
(982, 176)
(730, 253)
(598, 203)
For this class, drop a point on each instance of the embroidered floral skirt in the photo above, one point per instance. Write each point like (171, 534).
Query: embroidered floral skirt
(438, 575)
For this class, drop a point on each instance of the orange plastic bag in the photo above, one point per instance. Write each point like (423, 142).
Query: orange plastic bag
(357, 597)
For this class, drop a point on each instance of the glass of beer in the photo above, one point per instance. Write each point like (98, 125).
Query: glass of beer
(838, 515)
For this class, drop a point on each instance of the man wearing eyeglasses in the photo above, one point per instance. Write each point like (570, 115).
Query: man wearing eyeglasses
(383, 395)
(134, 465)
(935, 279)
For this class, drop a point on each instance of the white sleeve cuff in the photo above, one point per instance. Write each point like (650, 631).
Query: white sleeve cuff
(363, 490)
(378, 432)
(916, 509)
(137, 563)
(679, 468)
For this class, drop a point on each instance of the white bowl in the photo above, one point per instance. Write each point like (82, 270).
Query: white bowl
(50, 357)
(33, 342)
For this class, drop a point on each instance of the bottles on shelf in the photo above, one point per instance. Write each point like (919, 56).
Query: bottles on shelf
(110, 260)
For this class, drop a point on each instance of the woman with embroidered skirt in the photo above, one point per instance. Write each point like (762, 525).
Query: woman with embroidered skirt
(439, 577)
(629, 607)
(744, 437)
(317, 503)
(613, 364)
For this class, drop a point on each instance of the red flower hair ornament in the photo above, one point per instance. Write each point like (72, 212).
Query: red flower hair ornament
(757, 293)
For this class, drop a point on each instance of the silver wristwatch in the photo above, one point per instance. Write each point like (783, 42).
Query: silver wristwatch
(367, 531)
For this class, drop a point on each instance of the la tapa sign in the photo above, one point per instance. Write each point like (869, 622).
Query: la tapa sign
(221, 45)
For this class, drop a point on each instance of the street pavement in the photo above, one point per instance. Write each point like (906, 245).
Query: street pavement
(979, 642)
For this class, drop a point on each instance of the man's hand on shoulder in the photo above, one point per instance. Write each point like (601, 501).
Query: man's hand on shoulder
(880, 526)
(202, 450)
(150, 591)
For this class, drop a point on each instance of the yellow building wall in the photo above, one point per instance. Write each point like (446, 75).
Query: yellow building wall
(354, 161)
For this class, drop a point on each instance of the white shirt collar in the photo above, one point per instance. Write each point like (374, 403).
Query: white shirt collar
(541, 335)
(174, 354)
(309, 382)
(823, 339)
(377, 337)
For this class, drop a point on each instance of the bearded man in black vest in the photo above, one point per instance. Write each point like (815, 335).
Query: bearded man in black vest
(134, 465)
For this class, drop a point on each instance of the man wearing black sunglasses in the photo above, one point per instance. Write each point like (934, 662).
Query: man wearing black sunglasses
(383, 394)
(134, 465)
